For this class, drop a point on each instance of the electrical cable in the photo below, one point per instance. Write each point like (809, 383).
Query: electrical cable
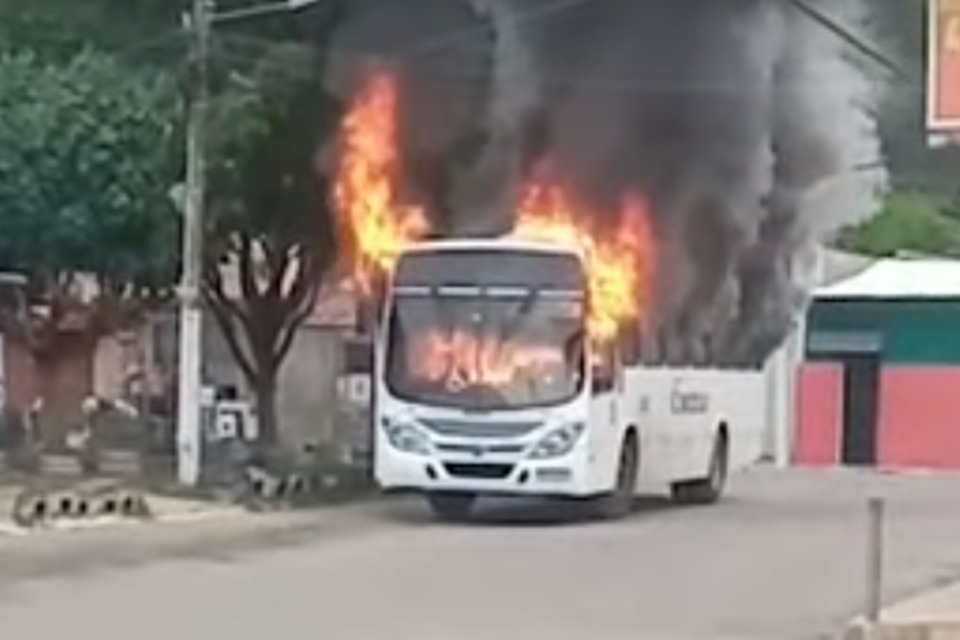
(856, 42)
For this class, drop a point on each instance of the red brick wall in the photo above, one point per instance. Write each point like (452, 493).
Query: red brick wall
(819, 420)
(63, 385)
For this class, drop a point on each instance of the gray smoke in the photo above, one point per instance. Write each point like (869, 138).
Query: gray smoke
(741, 121)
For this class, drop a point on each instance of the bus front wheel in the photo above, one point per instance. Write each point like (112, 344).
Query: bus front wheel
(618, 503)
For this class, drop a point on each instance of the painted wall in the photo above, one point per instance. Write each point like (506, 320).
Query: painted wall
(819, 420)
(919, 417)
(916, 332)
(307, 401)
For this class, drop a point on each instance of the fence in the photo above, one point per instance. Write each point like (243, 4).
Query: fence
(324, 425)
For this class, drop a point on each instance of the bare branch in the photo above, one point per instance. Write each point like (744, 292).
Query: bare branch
(296, 318)
(226, 317)
(279, 264)
(216, 293)
(306, 279)
(248, 279)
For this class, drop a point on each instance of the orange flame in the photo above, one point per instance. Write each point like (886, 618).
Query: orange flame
(460, 360)
(619, 265)
(367, 184)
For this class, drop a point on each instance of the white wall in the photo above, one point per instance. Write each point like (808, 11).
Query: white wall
(307, 401)
(781, 380)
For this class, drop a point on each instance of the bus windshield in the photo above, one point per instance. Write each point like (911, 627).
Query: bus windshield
(477, 351)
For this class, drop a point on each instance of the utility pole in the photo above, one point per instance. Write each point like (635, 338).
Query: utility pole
(189, 440)
(190, 383)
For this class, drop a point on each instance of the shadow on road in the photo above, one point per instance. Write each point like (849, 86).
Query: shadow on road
(523, 512)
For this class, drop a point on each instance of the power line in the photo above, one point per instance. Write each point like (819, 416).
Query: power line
(868, 50)
(607, 84)
(452, 38)
(244, 54)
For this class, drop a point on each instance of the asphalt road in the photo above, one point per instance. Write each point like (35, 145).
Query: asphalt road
(782, 558)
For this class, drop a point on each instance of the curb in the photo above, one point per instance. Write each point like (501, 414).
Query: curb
(928, 630)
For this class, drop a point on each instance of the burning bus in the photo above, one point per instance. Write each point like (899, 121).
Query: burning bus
(513, 364)
(490, 382)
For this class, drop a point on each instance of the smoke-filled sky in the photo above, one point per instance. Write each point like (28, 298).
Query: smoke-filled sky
(741, 121)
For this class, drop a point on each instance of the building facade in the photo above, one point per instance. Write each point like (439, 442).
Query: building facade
(880, 381)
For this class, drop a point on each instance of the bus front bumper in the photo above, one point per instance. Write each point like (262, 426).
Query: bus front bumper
(565, 476)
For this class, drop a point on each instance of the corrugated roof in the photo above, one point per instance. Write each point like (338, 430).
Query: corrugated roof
(893, 278)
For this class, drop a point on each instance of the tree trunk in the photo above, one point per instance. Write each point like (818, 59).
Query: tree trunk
(265, 389)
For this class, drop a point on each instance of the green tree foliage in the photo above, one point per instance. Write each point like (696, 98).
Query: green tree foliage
(91, 143)
(909, 222)
(58, 29)
(271, 229)
(920, 213)
(87, 156)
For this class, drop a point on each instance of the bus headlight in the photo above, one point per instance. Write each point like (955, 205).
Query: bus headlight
(407, 438)
(558, 442)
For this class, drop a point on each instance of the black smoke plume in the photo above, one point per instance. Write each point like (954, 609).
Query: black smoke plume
(741, 121)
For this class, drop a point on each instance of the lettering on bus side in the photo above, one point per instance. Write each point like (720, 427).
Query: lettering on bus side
(688, 402)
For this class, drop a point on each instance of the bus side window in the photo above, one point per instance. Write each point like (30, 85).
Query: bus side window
(630, 348)
(604, 370)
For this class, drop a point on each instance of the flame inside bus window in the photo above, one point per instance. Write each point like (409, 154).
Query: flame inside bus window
(486, 348)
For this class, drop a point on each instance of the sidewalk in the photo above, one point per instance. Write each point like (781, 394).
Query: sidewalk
(62, 481)
(934, 615)
(163, 509)
(220, 534)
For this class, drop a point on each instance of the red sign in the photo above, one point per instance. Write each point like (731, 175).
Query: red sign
(944, 90)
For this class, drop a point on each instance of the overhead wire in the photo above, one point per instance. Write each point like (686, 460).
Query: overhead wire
(420, 52)
(243, 53)
(855, 41)
(532, 14)
(441, 42)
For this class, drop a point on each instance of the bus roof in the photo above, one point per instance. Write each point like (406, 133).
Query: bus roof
(505, 244)
(490, 262)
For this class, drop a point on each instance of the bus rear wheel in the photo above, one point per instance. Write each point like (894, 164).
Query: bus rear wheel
(618, 503)
(452, 507)
(710, 489)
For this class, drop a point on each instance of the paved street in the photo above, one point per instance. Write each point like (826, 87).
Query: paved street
(781, 559)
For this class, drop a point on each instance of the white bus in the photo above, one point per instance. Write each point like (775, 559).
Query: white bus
(486, 384)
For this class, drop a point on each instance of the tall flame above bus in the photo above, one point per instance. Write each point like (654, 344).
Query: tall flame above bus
(378, 226)
(619, 261)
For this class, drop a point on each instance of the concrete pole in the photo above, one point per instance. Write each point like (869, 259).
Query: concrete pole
(874, 574)
(191, 313)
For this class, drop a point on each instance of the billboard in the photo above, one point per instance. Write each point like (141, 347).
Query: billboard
(943, 93)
